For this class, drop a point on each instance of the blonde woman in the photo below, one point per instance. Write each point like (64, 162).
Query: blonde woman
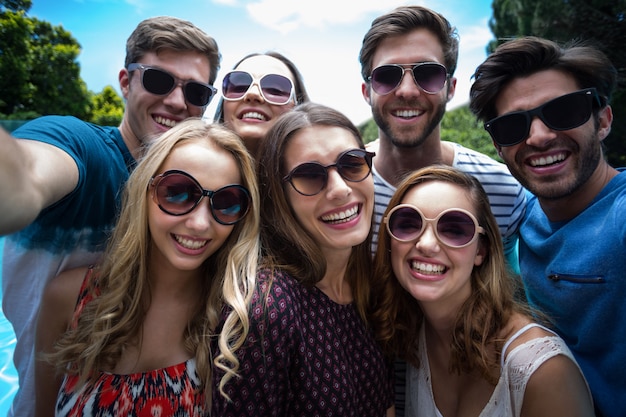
(140, 335)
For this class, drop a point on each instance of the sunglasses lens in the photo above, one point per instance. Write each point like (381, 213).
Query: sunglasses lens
(276, 88)
(568, 111)
(197, 94)
(309, 178)
(354, 166)
(430, 77)
(157, 82)
(236, 84)
(177, 194)
(509, 129)
(386, 78)
(230, 204)
(405, 224)
(562, 113)
(456, 228)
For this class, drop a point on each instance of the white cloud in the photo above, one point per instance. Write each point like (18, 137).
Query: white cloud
(286, 16)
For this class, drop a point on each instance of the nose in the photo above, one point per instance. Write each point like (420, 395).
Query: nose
(254, 92)
(336, 186)
(176, 98)
(539, 135)
(407, 86)
(200, 219)
(427, 242)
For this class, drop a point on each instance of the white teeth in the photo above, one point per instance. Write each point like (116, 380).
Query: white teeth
(548, 160)
(253, 115)
(425, 268)
(190, 244)
(343, 216)
(165, 122)
(407, 113)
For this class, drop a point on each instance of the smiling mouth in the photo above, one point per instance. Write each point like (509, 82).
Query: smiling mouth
(427, 269)
(547, 160)
(165, 122)
(254, 115)
(407, 114)
(342, 216)
(189, 243)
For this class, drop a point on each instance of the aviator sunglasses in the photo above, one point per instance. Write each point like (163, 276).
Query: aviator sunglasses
(275, 89)
(562, 113)
(310, 178)
(178, 193)
(160, 82)
(455, 228)
(429, 76)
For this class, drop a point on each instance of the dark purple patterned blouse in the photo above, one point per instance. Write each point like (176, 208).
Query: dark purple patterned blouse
(305, 355)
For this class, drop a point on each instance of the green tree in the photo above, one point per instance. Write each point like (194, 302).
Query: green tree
(601, 22)
(107, 107)
(39, 72)
(16, 5)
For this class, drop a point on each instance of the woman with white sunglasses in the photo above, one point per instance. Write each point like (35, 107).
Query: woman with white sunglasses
(256, 92)
(444, 303)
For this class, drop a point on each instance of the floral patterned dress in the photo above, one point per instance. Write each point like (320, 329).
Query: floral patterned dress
(170, 391)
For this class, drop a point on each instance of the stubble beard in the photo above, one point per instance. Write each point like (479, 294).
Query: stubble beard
(411, 138)
(555, 187)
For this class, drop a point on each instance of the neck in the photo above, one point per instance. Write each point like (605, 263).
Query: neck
(393, 162)
(334, 283)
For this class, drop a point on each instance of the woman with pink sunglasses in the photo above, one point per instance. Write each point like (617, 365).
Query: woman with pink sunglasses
(444, 303)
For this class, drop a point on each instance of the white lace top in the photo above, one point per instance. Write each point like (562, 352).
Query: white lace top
(507, 398)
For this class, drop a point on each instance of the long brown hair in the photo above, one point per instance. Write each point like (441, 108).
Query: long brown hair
(286, 244)
(397, 316)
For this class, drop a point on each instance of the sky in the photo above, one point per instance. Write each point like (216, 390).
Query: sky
(322, 37)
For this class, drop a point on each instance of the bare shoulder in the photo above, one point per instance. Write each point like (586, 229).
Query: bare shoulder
(557, 387)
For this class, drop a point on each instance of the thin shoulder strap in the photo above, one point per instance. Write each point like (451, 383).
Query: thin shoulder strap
(518, 334)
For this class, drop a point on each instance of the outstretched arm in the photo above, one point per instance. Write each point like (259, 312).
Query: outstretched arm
(34, 175)
(557, 388)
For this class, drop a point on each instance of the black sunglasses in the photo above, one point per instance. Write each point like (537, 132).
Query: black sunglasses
(429, 76)
(562, 113)
(275, 89)
(456, 228)
(160, 82)
(310, 178)
(178, 193)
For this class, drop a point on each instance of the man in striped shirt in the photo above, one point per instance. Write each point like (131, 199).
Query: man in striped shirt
(408, 59)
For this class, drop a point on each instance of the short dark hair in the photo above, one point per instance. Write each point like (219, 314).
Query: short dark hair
(403, 20)
(527, 55)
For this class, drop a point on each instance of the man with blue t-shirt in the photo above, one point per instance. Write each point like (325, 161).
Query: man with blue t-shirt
(408, 58)
(66, 175)
(546, 108)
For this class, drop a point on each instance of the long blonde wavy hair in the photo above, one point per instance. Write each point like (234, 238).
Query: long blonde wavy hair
(114, 318)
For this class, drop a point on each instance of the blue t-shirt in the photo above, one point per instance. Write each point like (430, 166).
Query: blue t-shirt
(70, 233)
(575, 271)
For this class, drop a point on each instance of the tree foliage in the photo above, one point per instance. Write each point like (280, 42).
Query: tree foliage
(107, 107)
(39, 72)
(601, 22)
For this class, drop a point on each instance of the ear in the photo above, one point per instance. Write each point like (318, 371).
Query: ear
(124, 79)
(481, 252)
(451, 88)
(605, 118)
(366, 91)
